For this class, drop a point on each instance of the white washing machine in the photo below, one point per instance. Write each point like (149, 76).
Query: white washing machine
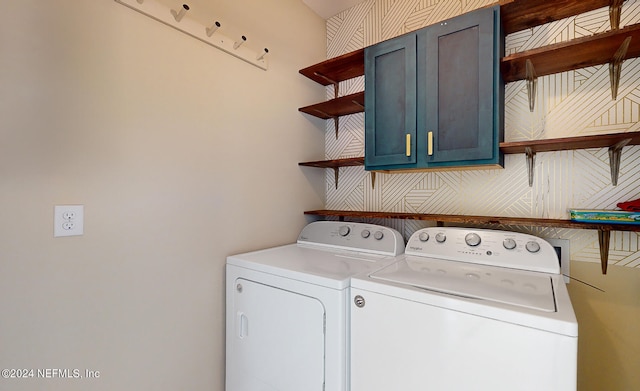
(465, 309)
(287, 307)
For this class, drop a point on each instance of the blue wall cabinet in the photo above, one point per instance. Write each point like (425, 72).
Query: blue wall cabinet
(434, 98)
(390, 102)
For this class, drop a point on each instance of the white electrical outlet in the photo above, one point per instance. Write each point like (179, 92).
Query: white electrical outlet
(68, 220)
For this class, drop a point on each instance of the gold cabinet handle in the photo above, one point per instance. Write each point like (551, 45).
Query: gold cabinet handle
(408, 152)
(430, 143)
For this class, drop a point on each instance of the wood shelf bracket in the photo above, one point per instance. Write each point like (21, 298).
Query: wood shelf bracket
(615, 67)
(336, 174)
(615, 10)
(531, 160)
(532, 81)
(357, 104)
(336, 121)
(604, 238)
(373, 179)
(335, 84)
(615, 152)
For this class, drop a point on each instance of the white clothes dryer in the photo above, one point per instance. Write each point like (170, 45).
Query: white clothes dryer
(287, 307)
(465, 309)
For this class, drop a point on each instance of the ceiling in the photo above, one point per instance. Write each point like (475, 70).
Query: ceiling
(328, 8)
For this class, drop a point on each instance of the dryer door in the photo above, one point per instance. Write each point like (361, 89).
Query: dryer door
(277, 340)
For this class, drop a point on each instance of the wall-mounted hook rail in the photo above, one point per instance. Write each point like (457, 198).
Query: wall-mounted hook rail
(176, 19)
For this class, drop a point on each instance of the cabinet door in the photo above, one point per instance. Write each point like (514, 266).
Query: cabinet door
(390, 102)
(458, 90)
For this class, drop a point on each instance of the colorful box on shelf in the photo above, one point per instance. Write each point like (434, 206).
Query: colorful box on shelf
(604, 216)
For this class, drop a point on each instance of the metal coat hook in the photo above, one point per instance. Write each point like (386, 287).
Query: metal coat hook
(238, 43)
(264, 53)
(178, 15)
(213, 28)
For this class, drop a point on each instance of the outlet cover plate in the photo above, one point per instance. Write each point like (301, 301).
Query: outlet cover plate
(68, 220)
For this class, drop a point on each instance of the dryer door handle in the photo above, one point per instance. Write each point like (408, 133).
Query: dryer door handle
(243, 325)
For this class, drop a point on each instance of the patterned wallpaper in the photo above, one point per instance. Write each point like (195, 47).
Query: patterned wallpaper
(567, 104)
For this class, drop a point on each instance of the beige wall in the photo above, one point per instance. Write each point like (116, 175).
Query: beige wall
(181, 155)
(608, 342)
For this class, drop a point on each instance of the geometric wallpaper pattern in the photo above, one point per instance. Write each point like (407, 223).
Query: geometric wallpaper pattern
(567, 104)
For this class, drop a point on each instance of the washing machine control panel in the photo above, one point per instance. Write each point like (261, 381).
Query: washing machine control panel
(370, 238)
(484, 246)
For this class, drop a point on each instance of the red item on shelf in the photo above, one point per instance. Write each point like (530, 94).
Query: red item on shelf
(630, 206)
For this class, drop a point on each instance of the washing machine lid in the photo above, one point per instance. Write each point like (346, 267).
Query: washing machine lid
(530, 290)
(332, 268)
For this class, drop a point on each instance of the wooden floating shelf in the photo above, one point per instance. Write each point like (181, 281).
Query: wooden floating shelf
(546, 145)
(345, 105)
(578, 53)
(604, 230)
(337, 69)
(518, 15)
(570, 143)
(336, 163)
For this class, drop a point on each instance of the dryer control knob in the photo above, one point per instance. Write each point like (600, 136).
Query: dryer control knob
(441, 237)
(509, 243)
(365, 233)
(532, 247)
(378, 235)
(472, 239)
(423, 236)
(344, 230)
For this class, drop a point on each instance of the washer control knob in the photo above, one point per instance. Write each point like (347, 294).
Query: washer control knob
(472, 239)
(441, 237)
(423, 236)
(365, 233)
(344, 230)
(359, 301)
(532, 247)
(378, 235)
(509, 243)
